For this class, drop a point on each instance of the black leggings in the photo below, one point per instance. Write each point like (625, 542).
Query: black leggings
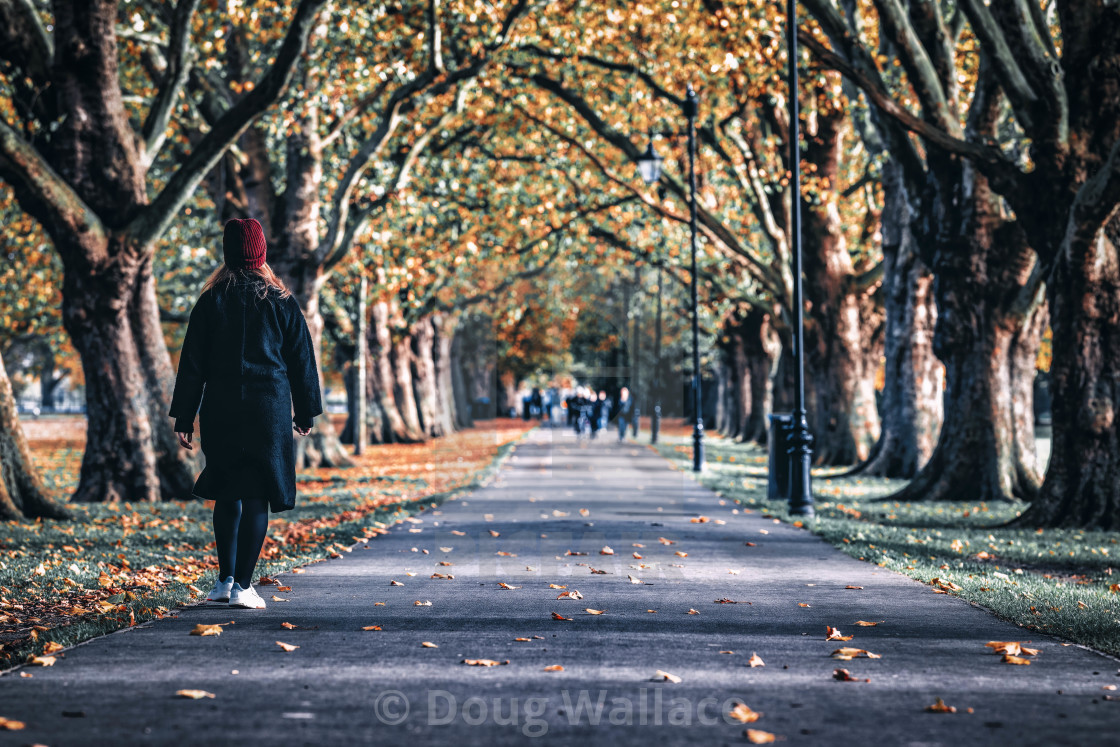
(239, 531)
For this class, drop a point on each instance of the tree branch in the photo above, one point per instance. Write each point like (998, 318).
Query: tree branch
(45, 195)
(154, 131)
(1019, 92)
(153, 220)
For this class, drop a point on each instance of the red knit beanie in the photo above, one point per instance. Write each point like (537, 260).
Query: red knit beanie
(244, 244)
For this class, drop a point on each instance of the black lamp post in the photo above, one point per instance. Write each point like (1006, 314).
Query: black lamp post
(800, 440)
(655, 427)
(649, 164)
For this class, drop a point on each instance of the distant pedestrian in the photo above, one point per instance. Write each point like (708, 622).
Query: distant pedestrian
(625, 406)
(247, 359)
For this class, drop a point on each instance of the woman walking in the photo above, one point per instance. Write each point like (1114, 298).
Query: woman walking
(248, 348)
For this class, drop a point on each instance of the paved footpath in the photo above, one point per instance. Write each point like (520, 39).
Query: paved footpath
(555, 498)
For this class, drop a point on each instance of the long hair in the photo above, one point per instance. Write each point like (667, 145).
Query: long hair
(262, 280)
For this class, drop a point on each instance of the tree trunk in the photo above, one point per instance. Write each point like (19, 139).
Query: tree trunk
(444, 327)
(400, 356)
(21, 491)
(762, 348)
(988, 337)
(1082, 487)
(425, 387)
(382, 403)
(913, 383)
(460, 388)
(845, 415)
(292, 256)
(120, 461)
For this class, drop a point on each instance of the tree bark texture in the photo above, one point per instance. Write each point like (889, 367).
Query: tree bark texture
(22, 494)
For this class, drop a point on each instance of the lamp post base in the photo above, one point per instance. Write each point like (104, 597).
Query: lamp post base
(655, 424)
(801, 457)
(637, 421)
(698, 448)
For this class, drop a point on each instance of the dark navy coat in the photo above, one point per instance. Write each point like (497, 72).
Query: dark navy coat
(250, 363)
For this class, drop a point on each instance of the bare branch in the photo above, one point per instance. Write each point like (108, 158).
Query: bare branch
(154, 131)
(152, 221)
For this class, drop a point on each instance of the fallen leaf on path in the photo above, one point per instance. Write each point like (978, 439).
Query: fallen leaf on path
(446, 549)
(573, 594)
(725, 600)
(757, 736)
(764, 531)
(445, 563)
(558, 616)
(743, 714)
(634, 580)
(391, 583)
(660, 676)
(699, 520)
(750, 544)
(282, 599)
(409, 574)
(606, 551)
(833, 634)
(597, 572)
(428, 644)
(557, 586)
(1015, 648)
(194, 694)
(727, 652)
(847, 654)
(444, 576)
(853, 587)
(866, 624)
(10, 724)
(522, 640)
(1018, 660)
(574, 553)
(266, 581)
(680, 554)
(843, 675)
(802, 604)
(594, 612)
(694, 612)
(944, 585)
(940, 707)
(755, 661)
(283, 588)
(43, 661)
(505, 554)
(484, 662)
(652, 612)
(372, 627)
(289, 648)
(637, 556)
(664, 541)
(554, 668)
(504, 585)
(202, 629)
(425, 603)
(584, 512)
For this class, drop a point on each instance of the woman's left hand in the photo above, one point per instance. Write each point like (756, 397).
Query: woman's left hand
(185, 440)
(302, 431)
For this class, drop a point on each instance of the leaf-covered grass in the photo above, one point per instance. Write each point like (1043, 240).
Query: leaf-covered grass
(122, 564)
(1057, 581)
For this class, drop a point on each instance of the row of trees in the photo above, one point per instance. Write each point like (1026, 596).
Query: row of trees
(959, 194)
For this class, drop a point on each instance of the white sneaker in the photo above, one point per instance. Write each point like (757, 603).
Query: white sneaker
(247, 598)
(221, 590)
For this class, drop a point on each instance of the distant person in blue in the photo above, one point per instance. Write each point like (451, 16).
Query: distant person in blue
(625, 405)
(604, 403)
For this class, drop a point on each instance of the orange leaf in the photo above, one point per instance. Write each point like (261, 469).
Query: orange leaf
(756, 661)
(940, 707)
(372, 627)
(554, 668)
(834, 634)
(757, 736)
(194, 694)
(743, 714)
(289, 648)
